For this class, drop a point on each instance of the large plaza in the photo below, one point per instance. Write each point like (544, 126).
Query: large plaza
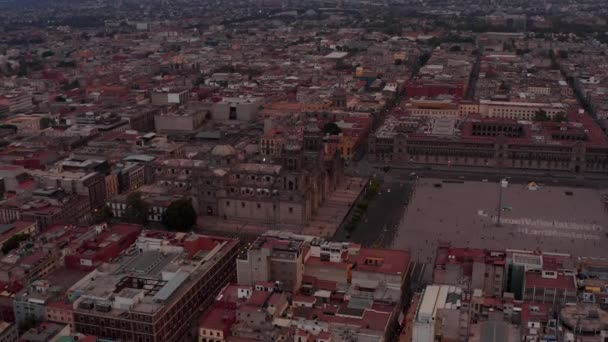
(549, 218)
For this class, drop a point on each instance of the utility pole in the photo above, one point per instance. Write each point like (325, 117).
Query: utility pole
(499, 208)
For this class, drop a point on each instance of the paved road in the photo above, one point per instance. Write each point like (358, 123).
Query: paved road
(364, 168)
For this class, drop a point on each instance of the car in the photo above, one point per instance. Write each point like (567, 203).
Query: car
(485, 180)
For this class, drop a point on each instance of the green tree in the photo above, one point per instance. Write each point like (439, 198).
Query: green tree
(29, 323)
(104, 214)
(331, 128)
(541, 115)
(14, 242)
(9, 126)
(46, 123)
(136, 210)
(180, 215)
(424, 58)
(200, 80)
(559, 117)
(71, 85)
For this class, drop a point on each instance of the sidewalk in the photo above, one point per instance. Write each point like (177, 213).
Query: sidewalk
(333, 211)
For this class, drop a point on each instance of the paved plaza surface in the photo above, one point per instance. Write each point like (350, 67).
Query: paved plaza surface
(379, 224)
(325, 222)
(552, 218)
(335, 208)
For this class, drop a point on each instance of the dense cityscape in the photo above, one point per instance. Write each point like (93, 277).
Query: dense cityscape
(303, 170)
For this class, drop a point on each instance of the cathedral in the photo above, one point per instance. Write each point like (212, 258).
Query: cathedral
(287, 190)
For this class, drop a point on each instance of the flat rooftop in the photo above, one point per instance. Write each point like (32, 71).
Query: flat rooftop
(552, 219)
(154, 272)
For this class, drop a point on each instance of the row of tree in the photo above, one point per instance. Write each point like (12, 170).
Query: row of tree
(180, 215)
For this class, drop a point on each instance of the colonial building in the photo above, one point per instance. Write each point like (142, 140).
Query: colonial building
(286, 190)
(577, 146)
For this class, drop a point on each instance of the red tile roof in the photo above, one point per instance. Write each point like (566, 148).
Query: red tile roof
(218, 318)
(392, 261)
(534, 279)
(258, 298)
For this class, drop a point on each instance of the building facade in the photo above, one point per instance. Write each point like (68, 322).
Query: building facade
(138, 299)
(285, 191)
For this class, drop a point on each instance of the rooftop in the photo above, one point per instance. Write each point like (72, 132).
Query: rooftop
(151, 273)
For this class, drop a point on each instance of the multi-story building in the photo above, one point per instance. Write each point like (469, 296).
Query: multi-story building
(519, 110)
(319, 272)
(100, 244)
(432, 80)
(271, 143)
(180, 120)
(46, 332)
(285, 191)
(45, 207)
(471, 268)
(131, 176)
(442, 315)
(8, 332)
(19, 102)
(19, 227)
(236, 108)
(550, 287)
(89, 184)
(154, 290)
(542, 277)
(577, 146)
(273, 259)
(30, 303)
(167, 96)
(60, 311)
(157, 198)
(140, 118)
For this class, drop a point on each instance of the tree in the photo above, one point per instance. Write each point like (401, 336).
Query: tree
(46, 123)
(14, 242)
(180, 215)
(27, 324)
(71, 85)
(424, 58)
(136, 210)
(331, 128)
(559, 117)
(200, 80)
(9, 126)
(103, 215)
(455, 48)
(541, 115)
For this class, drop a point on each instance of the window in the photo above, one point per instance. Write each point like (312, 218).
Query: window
(227, 203)
(243, 204)
(290, 210)
(259, 206)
